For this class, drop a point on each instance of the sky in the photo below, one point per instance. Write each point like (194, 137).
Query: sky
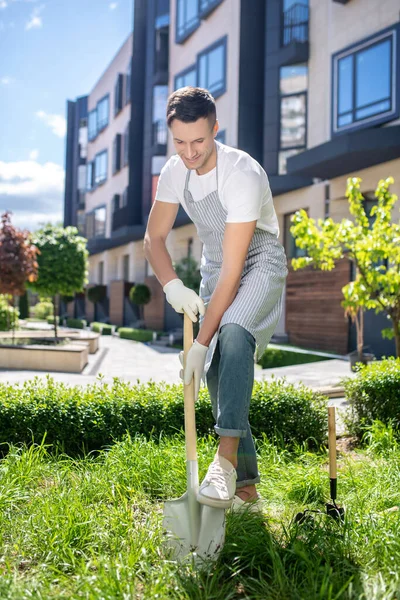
(51, 51)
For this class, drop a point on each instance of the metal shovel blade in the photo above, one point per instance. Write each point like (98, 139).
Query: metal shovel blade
(191, 526)
(205, 539)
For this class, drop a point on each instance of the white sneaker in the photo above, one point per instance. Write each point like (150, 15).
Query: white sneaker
(239, 505)
(219, 485)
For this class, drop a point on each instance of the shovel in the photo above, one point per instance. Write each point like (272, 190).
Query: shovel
(191, 526)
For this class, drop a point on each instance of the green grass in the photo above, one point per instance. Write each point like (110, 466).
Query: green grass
(91, 527)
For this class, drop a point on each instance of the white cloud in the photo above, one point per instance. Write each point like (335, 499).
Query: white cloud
(3, 4)
(35, 19)
(32, 192)
(33, 155)
(6, 80)
(113, 5)
(57, 123)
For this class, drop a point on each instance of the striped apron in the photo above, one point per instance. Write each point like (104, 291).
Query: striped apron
(257, 305)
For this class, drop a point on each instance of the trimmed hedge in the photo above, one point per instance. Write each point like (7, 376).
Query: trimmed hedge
(76, 419)
(374, 394)
(274, 357)
(102, 328)
(139, 335)
(76, 323)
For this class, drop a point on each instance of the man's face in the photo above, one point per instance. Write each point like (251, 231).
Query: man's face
(194, 142)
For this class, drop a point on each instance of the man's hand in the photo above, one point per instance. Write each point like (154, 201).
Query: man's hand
(183, 299)
(195, 360)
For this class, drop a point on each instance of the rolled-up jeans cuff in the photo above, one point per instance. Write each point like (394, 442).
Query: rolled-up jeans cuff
(240, 433)
(240, 484)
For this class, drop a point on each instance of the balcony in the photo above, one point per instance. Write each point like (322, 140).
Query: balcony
(159, 138)
(294, 35)
(161, 56)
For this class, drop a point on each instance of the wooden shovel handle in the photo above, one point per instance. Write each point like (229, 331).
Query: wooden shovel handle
(332, 441)
(188, 394)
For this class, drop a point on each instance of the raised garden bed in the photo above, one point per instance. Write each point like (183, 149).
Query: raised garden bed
(70, 357)
(83, 336)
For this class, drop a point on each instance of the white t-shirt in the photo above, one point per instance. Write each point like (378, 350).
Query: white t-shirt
(243, 187)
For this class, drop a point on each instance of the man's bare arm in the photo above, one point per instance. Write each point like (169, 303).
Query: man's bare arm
(161, 220)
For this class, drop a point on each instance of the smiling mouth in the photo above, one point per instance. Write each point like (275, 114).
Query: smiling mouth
(192, 159)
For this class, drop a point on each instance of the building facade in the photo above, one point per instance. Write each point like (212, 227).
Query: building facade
(309, 88)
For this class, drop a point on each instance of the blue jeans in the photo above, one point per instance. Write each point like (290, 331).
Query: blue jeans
(230, 379)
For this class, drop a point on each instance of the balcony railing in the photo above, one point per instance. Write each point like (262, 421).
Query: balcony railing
(160, 134)
(295, 24)
(120, 218)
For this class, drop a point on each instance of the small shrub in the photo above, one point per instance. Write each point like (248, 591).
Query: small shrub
(102, 328)
(97, 415)
(374, 394)
(8, 315)
(50, 320)
(76, 323)
(42, 310)
(139, 335)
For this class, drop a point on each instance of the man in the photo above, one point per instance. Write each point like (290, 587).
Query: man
(243, 267)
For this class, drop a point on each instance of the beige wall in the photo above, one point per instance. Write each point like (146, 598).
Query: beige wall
(115, 184)
(224, 20)
(334, 26)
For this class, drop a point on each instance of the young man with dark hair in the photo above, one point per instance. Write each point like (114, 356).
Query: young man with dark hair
(226, 194)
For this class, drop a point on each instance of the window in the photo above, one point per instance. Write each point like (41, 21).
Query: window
(206, 6)
(211, 68)
(89, 225)
(117, 153)
(100, 221)
(293, 113)
(126, 146)
(101, 273)
(118, 89)
(364, 83)
(116, 201)
(292, 251)
(187, 19)
(125, 267)
(294, 21)
(90, 168)
(160, 98)
(128, 83)
(124, 197)
(102, 113)
(92, 125)
(220, 137)
(101, 167)
(186, 77)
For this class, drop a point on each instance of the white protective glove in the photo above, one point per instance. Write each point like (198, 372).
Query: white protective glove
(183, 299)
(195, 362)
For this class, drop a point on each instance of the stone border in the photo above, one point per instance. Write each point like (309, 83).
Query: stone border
(69, 358)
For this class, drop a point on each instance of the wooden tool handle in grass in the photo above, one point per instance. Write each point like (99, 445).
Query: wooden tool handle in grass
(332, 441)
(188, 393)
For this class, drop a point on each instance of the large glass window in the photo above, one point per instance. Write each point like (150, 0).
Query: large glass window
(364, 83)
(160, 98)
(101, 167)
(89, 176)
(293, 112)
(186, 77)
(103, 109)
(100, 221)
(92, 124)
(212, 68)
(187, 18)
(118, 90)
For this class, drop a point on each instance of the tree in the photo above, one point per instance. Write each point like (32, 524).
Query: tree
(62, 262)
(140, 294)
(188, 271)
(373, 248)
(18, 259)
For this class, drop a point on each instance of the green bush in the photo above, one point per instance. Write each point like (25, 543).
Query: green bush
(139, 335)
(50, 320)
(8, 315)
(374, 394)
(102, 328)
(274, 357)
(92, 417)
(42, 310)
(76, 323)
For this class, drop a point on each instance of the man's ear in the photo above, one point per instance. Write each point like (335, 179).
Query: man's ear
(216, 127)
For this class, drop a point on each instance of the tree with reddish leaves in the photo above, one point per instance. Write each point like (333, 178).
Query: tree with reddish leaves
(18, 258)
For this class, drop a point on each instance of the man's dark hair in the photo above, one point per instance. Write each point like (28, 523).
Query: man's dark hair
(189, 104)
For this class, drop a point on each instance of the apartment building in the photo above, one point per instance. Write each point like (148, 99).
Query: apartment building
(309, 88)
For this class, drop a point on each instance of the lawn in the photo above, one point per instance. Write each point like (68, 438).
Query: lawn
(91, 527)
